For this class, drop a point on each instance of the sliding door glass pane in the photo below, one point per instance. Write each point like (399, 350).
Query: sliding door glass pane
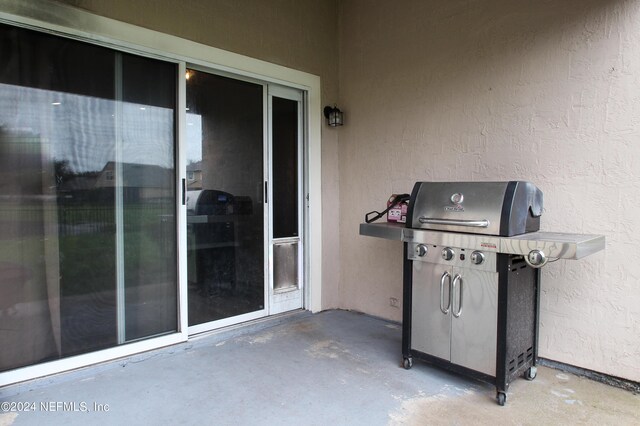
(87, 230)
(148, 196)
(285, 167)
(225, 213)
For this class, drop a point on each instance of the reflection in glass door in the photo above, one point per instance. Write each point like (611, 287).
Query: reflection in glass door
(224, 197)
(87, 190)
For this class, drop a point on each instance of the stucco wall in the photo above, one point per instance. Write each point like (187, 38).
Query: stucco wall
(546, 91)
(299, 34)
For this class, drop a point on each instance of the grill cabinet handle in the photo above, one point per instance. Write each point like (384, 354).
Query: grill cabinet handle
(458, 279)
(473, 223)
(442, 280)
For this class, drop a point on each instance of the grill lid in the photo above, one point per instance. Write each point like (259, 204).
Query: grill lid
(489, 208)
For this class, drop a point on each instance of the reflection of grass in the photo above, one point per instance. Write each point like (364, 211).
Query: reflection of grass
(150, 256)
(135, 216)
(90, 259)
(87, 263)
(87, 245)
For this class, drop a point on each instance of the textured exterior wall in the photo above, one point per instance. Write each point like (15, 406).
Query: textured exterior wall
(546, 91)
(299, 34)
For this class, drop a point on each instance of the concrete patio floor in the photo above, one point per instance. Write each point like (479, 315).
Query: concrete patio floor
(332, 368)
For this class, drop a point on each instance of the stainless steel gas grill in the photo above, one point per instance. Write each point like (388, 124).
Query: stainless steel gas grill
(472, 253)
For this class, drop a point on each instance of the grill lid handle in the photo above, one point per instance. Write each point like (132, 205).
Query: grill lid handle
(473, 223)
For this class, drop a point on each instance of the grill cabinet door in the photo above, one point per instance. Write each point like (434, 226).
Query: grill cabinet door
(474, 332)
(430, 328)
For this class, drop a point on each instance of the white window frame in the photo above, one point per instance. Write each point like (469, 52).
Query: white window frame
(66, 21)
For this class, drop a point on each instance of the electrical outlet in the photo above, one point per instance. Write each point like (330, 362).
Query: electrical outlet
(393, 302)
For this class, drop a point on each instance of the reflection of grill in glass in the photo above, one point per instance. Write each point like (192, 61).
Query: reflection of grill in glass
(212, 231)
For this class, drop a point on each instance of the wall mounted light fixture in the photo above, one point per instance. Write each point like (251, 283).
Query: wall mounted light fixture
(334, 116)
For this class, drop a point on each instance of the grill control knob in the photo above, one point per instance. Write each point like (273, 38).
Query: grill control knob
(448, 253)
(421, 250)
(477, 257)
(536, 259)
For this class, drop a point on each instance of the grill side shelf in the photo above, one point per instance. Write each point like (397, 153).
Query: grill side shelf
(554, 244)
(385, 230)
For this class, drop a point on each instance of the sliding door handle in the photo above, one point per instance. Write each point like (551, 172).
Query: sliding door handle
(184, 192)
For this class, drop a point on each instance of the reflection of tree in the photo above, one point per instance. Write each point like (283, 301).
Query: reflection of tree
(63, 171)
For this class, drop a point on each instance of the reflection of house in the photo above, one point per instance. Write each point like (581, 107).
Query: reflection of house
(142, 182)
(80, 188)
(194, 175)
(84, 182)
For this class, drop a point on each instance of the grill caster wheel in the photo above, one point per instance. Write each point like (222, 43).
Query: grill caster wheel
(531, 373)
(501, 397)
(407, 363)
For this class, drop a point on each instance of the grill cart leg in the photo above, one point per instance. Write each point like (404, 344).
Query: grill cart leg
(531, 373)
(501, 393)
(407, 362)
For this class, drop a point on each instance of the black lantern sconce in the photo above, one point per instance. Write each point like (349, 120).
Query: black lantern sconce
(334, 116)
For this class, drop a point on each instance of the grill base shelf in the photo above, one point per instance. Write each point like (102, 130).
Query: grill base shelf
(516, 325)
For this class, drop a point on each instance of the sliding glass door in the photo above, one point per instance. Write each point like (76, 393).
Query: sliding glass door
(87, 182)
(89, 199)
(225, 198)
(244, 199)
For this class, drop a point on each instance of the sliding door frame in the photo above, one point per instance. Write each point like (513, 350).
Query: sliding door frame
(293, 299)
